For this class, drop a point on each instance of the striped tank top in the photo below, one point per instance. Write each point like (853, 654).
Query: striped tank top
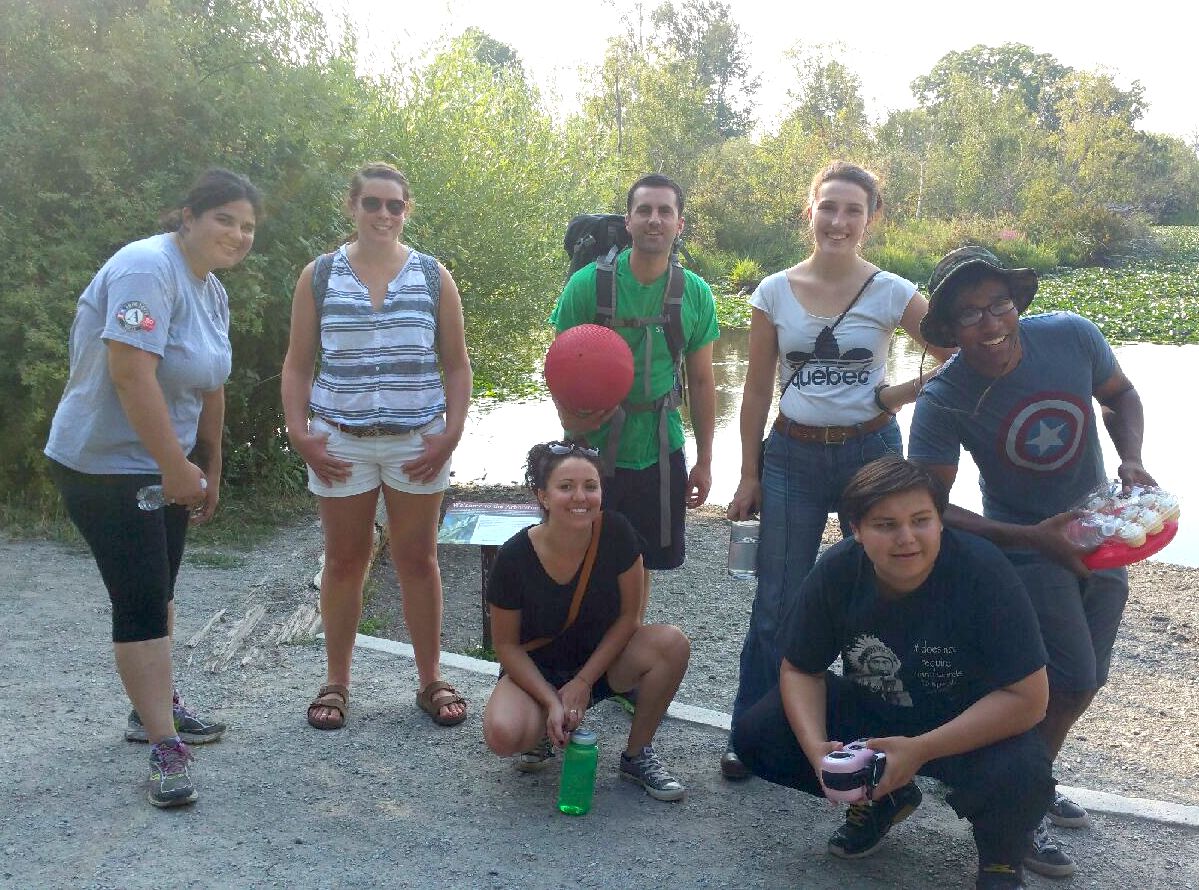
(378, 368)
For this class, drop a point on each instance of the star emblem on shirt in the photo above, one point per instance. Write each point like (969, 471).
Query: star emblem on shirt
(1048, 437)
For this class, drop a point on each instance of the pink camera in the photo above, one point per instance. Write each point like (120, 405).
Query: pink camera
(848, 773)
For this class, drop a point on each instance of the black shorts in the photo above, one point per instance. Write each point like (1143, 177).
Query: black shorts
(137, 551)
(635, 494)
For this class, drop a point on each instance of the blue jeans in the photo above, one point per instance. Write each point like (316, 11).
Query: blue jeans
(801, 484)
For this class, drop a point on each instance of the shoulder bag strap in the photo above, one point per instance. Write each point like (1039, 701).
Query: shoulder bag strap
(580, 588)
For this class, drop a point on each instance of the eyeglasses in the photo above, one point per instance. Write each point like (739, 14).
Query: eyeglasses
(371, 204)
(560, 448)
(970, 317)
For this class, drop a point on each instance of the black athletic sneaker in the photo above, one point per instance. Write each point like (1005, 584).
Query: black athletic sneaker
(192, 728)
(999, 876)
(867, 823)
(1045, 857)
(170, 782)
(1066, 813)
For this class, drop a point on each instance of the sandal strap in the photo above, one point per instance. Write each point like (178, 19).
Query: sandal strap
(334, 689)
(441, 686)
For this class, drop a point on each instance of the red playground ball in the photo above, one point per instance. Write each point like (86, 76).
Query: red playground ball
(589, 368)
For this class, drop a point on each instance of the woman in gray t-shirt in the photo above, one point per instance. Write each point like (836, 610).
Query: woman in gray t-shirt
(145, 405)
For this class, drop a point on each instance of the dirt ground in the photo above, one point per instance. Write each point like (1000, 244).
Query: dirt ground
(393, 801)
(1151, 703)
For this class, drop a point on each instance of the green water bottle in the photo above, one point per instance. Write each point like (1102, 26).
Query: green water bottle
(578, 773)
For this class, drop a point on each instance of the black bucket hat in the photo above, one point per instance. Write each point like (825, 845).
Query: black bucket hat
(937, 326)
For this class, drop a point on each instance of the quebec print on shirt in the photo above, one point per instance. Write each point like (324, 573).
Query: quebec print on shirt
(826, 366)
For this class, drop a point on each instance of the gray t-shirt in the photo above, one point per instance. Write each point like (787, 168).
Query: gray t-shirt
(148, 297)
(1032, 432)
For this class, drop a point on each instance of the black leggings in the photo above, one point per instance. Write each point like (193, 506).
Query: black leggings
(1002, 789)
(137, 551)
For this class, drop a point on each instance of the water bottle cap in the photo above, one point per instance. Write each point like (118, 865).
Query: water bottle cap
(583, 737)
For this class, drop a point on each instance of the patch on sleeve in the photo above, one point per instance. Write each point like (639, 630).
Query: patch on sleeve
(135, 316)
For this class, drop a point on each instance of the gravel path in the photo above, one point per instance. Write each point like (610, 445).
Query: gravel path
(1151, 702)
(393, 801)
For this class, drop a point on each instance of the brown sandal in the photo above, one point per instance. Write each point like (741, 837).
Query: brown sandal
(335, 697)
(424, 700)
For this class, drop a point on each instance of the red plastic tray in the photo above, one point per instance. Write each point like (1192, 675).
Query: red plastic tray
(1114, 554)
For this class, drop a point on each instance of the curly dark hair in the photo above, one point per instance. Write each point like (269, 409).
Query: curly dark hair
(545, 456)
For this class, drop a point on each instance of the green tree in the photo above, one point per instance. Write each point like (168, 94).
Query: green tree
(108, 111)
(826, 100)
(494, 185)
(704, 33)
(1036, 79)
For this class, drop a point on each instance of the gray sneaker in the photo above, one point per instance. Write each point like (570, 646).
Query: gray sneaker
(538, 757)
(1066, 813)
(1044, 856)
(648, 771)
(191, 727)
(170, 783)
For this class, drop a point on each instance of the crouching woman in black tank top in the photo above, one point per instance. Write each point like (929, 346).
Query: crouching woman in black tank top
(564, 598)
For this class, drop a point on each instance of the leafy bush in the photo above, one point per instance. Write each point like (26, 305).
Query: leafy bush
(186, 85)
(712, 265)
(1019, 252)
(745, 275)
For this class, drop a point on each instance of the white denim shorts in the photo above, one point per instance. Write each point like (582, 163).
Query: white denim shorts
(377, 459)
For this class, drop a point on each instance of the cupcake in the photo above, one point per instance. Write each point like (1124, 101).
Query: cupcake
(1131, 534)
(1152, 521)
(1168, 505)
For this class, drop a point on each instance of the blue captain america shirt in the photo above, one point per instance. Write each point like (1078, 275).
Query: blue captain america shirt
(1032, 432)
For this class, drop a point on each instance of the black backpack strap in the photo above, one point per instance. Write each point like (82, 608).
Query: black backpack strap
(605, 288)
(321, 267)
(672, 310)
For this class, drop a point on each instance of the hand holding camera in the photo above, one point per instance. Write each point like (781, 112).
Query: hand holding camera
(850, 774)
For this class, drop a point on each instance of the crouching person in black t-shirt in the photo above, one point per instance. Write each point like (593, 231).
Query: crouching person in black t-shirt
(565, 597)
(943, 671)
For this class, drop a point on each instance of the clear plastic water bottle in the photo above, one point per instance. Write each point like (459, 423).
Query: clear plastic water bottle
(577, 784)
(743, 549)
(150, 497)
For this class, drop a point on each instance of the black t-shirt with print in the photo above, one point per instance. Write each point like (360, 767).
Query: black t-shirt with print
(923, 658)
(519, 581)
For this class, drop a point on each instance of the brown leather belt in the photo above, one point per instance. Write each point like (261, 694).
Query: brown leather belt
(367, 432)
(829, 435)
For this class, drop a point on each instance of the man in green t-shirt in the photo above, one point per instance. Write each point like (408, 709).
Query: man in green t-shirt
(654, 220)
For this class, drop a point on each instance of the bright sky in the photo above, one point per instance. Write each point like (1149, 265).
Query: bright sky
(887, 44)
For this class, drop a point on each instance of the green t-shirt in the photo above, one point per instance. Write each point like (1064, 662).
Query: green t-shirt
(576, 306)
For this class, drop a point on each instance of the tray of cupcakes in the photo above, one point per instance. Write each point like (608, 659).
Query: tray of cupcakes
(1121, 527)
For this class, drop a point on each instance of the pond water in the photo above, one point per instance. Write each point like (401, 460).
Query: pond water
(499, 434)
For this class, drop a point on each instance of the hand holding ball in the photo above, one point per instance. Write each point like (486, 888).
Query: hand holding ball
(589, 368)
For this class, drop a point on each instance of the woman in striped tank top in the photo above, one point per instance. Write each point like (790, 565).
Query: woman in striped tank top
(385, 412)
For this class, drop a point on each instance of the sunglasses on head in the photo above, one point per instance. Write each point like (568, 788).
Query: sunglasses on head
(560, 448)
(371, 204)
